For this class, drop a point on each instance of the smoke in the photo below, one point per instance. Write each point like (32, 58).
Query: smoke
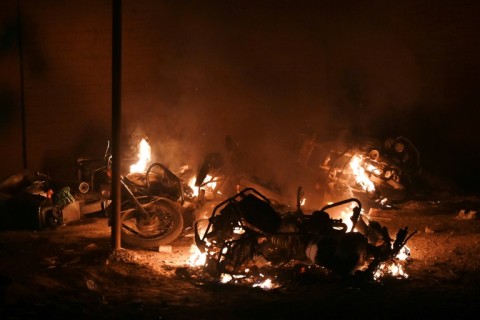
(260, 76)
(265, 73)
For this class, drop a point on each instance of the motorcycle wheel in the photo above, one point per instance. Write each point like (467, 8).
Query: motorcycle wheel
(162, 225)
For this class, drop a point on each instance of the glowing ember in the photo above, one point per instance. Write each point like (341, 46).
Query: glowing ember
(195, 189)
(144, 156)
(383, 202)
(373, 169)
(345, 214)
(267, 284)
(197, 258)
(361, 176)
(238, 230)
(303, 201)
(394, 269)
(225, 278)
(404, 254)
(209, 185)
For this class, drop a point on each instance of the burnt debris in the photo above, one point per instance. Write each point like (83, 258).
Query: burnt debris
(245, 232)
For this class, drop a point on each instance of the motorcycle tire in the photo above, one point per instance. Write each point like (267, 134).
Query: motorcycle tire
(162, 226)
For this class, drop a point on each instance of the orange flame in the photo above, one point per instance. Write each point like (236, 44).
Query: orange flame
(266, 284)
(144, 156)
(394, 269)
(209, 186)
(197, 258)
(361, 176)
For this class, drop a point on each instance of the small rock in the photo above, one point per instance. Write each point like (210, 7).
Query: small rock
(429, 231)
(166, 248)
(91, 246)
(91, 285)
(466, 215)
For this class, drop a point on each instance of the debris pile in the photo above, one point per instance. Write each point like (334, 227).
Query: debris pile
(245, 234)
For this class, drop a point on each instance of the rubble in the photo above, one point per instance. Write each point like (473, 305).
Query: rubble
(467, 215)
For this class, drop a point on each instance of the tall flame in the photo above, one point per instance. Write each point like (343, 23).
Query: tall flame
(144, 156)
(360, 174)
(209, 185)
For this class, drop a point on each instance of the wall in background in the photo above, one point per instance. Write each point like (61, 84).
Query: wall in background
(194, 72)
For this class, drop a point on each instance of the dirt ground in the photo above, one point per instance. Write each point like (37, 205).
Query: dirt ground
(72, 272)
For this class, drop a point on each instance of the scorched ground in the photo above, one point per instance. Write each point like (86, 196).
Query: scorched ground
(72, 272)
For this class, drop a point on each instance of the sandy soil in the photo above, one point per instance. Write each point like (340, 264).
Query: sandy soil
(72, 272)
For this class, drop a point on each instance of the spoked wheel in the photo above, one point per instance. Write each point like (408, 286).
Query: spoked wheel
(162, 224)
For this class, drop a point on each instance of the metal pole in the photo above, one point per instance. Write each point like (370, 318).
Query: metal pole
(22, 86)
(116, 121)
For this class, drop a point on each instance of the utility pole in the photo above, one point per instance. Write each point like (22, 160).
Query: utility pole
(22, 86)
(116, 121)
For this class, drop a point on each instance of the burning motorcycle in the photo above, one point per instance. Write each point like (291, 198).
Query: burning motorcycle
(375, 173)
(157, 204)
(246, 229)
(151, 209)
(142, 209)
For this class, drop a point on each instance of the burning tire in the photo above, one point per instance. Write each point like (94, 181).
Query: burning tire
(162, 224)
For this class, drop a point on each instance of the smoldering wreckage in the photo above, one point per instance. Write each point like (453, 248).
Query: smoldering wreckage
(242, 229)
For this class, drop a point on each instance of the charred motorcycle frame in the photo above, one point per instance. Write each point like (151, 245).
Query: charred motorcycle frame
(364, 169)
(246, 228)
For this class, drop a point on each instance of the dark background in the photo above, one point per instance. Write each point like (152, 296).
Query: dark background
(261, 71)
